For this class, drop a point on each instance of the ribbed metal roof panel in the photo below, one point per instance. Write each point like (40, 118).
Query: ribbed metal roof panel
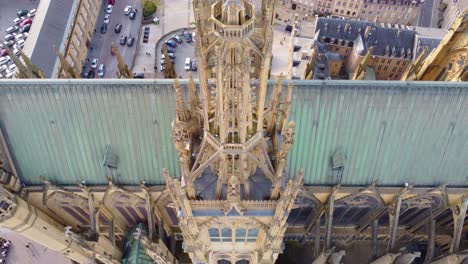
(393, 132)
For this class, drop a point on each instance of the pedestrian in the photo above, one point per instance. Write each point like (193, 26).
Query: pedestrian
(144, 69)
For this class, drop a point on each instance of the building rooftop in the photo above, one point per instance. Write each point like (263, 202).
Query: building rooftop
(393, 132)
(387, 41)
(51, 30)
(395, 2)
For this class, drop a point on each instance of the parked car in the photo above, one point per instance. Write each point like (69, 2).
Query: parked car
(146, 29)
(101, 70)
(11, 67)
(18, 20)
(91, 74)
(94, 63)
(123, 39)
(22, 13)
(19, 44)
(169, 49)
(118, 28)
(16, 52)
(138, 75)
(3, 52)
(9, 37)
(194, 65)
(130, 41)
(177, 38)
(171, 55)
(127, 10)
(20, 36)
(162, 68)
(32, 13)
(26, 28)
(25, 22)
(10, 74)
(103, 28)
(107, 19)
(171, 43)
(132, 15)
(8, 43)
(111, 2)
(145, 39)
(12, 29)
(187, 64)
(109, 9)
(3, 67)
(188, 37)
(4, 60)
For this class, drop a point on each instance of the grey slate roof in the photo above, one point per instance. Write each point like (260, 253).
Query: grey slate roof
(51, 34)
(383, 39)
(393, 132)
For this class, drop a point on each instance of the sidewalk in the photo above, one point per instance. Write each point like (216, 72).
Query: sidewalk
(173, 14)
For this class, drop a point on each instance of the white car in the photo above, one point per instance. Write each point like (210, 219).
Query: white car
(188, 64)
(19, 44)
(10, 74)
(12, 67)
(95, 63)
(16, 52)
(109, 9)
(101, 70)
(3, 67)
(32, 13)
(18, 20)
(19, 37)
(127, 10)
(4, 60)
(107, 19)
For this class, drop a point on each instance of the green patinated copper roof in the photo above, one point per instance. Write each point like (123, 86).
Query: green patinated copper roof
(393, 132)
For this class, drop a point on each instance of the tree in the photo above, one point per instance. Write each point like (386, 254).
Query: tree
(149, 7)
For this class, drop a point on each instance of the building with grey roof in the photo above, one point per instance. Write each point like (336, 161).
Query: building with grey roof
(394, 47)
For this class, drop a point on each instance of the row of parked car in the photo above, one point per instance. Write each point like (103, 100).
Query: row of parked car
(14, 39)
(171, 45)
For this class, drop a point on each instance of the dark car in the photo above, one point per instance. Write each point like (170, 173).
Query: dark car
(26, 28)
(171, 43)
(8, 43)
(145, 39)
(188, 37)
(147, 29)
(169, 49)
(132, 15)
(194, 65)
(138, 75)
(22, 13)
(118, 28)
(91, 74)
(130, 40)
(123, 39)
(103, 28)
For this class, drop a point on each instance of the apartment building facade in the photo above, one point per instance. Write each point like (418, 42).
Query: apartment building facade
(385, 11)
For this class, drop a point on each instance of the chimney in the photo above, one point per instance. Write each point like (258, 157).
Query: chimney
(339, 28)
(367, 32)
(387, 51)
(408, 54)
(393, 51)
(347, 27)
(402, 53)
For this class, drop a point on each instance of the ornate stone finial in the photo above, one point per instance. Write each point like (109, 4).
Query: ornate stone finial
(110, 181)
(45, 181)
(233, 196)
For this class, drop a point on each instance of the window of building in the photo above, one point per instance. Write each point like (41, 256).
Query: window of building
(385, 68)
(341, 11)
(344, 4)
(365, 6)
(354, 13)
(338, 3)
(398, 63)
(379, 68)
(394, 69)
(336, 10)
(389, 61)
(363, 11)
(391, 75)
(348, 13)
(356, 6)
(226, 234)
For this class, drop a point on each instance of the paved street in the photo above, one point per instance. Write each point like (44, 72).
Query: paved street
(25, 251)
(426, 13)
(101, 43)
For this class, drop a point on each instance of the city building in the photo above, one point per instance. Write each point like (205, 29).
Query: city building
(451, 10)
(234, 168)
(382, 11)
(340, 45)
(67, 26)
